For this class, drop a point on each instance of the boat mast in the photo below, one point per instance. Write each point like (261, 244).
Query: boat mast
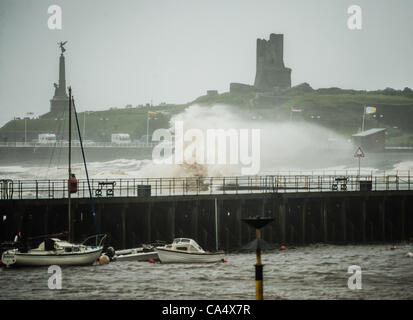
(84, 162)
(70, 170)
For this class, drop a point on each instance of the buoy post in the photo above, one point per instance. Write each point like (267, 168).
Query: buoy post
(259, 288)
(258, 223)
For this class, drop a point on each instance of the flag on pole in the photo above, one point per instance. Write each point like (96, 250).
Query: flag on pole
(151, 112)
(370, 110)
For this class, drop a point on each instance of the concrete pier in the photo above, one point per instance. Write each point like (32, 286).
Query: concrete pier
(299, 218)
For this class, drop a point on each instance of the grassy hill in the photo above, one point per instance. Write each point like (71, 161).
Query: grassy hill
(335, 108)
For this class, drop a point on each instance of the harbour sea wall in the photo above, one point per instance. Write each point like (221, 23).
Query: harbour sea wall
(299, 217)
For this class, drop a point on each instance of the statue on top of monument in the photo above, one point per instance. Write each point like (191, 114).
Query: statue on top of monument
(59, 102)
(56, 88)
(61, 44)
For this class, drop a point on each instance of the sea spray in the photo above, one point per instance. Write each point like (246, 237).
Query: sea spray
(283, 145)
(286, 147)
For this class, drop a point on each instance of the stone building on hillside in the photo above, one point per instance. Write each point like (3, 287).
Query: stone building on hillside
(271, 71)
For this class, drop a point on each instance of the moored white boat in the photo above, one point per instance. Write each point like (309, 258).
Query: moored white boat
(144, 253)
(53, 252)
(185, 250)
(137, 256)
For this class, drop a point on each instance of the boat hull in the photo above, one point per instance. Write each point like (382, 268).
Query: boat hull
(141, 256)
(13, 258)
(172, 256)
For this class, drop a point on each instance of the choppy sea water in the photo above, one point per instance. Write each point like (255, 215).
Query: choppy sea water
(308, 272)
(130, 168)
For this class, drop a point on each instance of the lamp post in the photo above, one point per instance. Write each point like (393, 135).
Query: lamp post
(104, 127)
(61, 140)
(84, 124)
(150, 112)
(147, 128)
(257, 223)
(25, 130)
(25, 126)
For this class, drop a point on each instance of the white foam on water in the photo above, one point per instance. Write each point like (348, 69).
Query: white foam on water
(404, 166)
(120, 168)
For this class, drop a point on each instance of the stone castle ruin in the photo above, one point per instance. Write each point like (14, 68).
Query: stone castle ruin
(271, 71)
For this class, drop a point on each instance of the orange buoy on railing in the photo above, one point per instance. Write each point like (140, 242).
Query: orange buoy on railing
(72, 184)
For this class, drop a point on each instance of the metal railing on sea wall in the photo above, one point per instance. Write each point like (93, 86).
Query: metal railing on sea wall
(144, 187)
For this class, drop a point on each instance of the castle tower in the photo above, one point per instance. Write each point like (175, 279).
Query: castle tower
(271, 71)
(60, 98)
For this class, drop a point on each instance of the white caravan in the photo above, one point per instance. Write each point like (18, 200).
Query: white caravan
(47, 138)
(121, 138)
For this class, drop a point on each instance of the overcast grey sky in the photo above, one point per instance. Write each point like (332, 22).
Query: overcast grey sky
(132, 51)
